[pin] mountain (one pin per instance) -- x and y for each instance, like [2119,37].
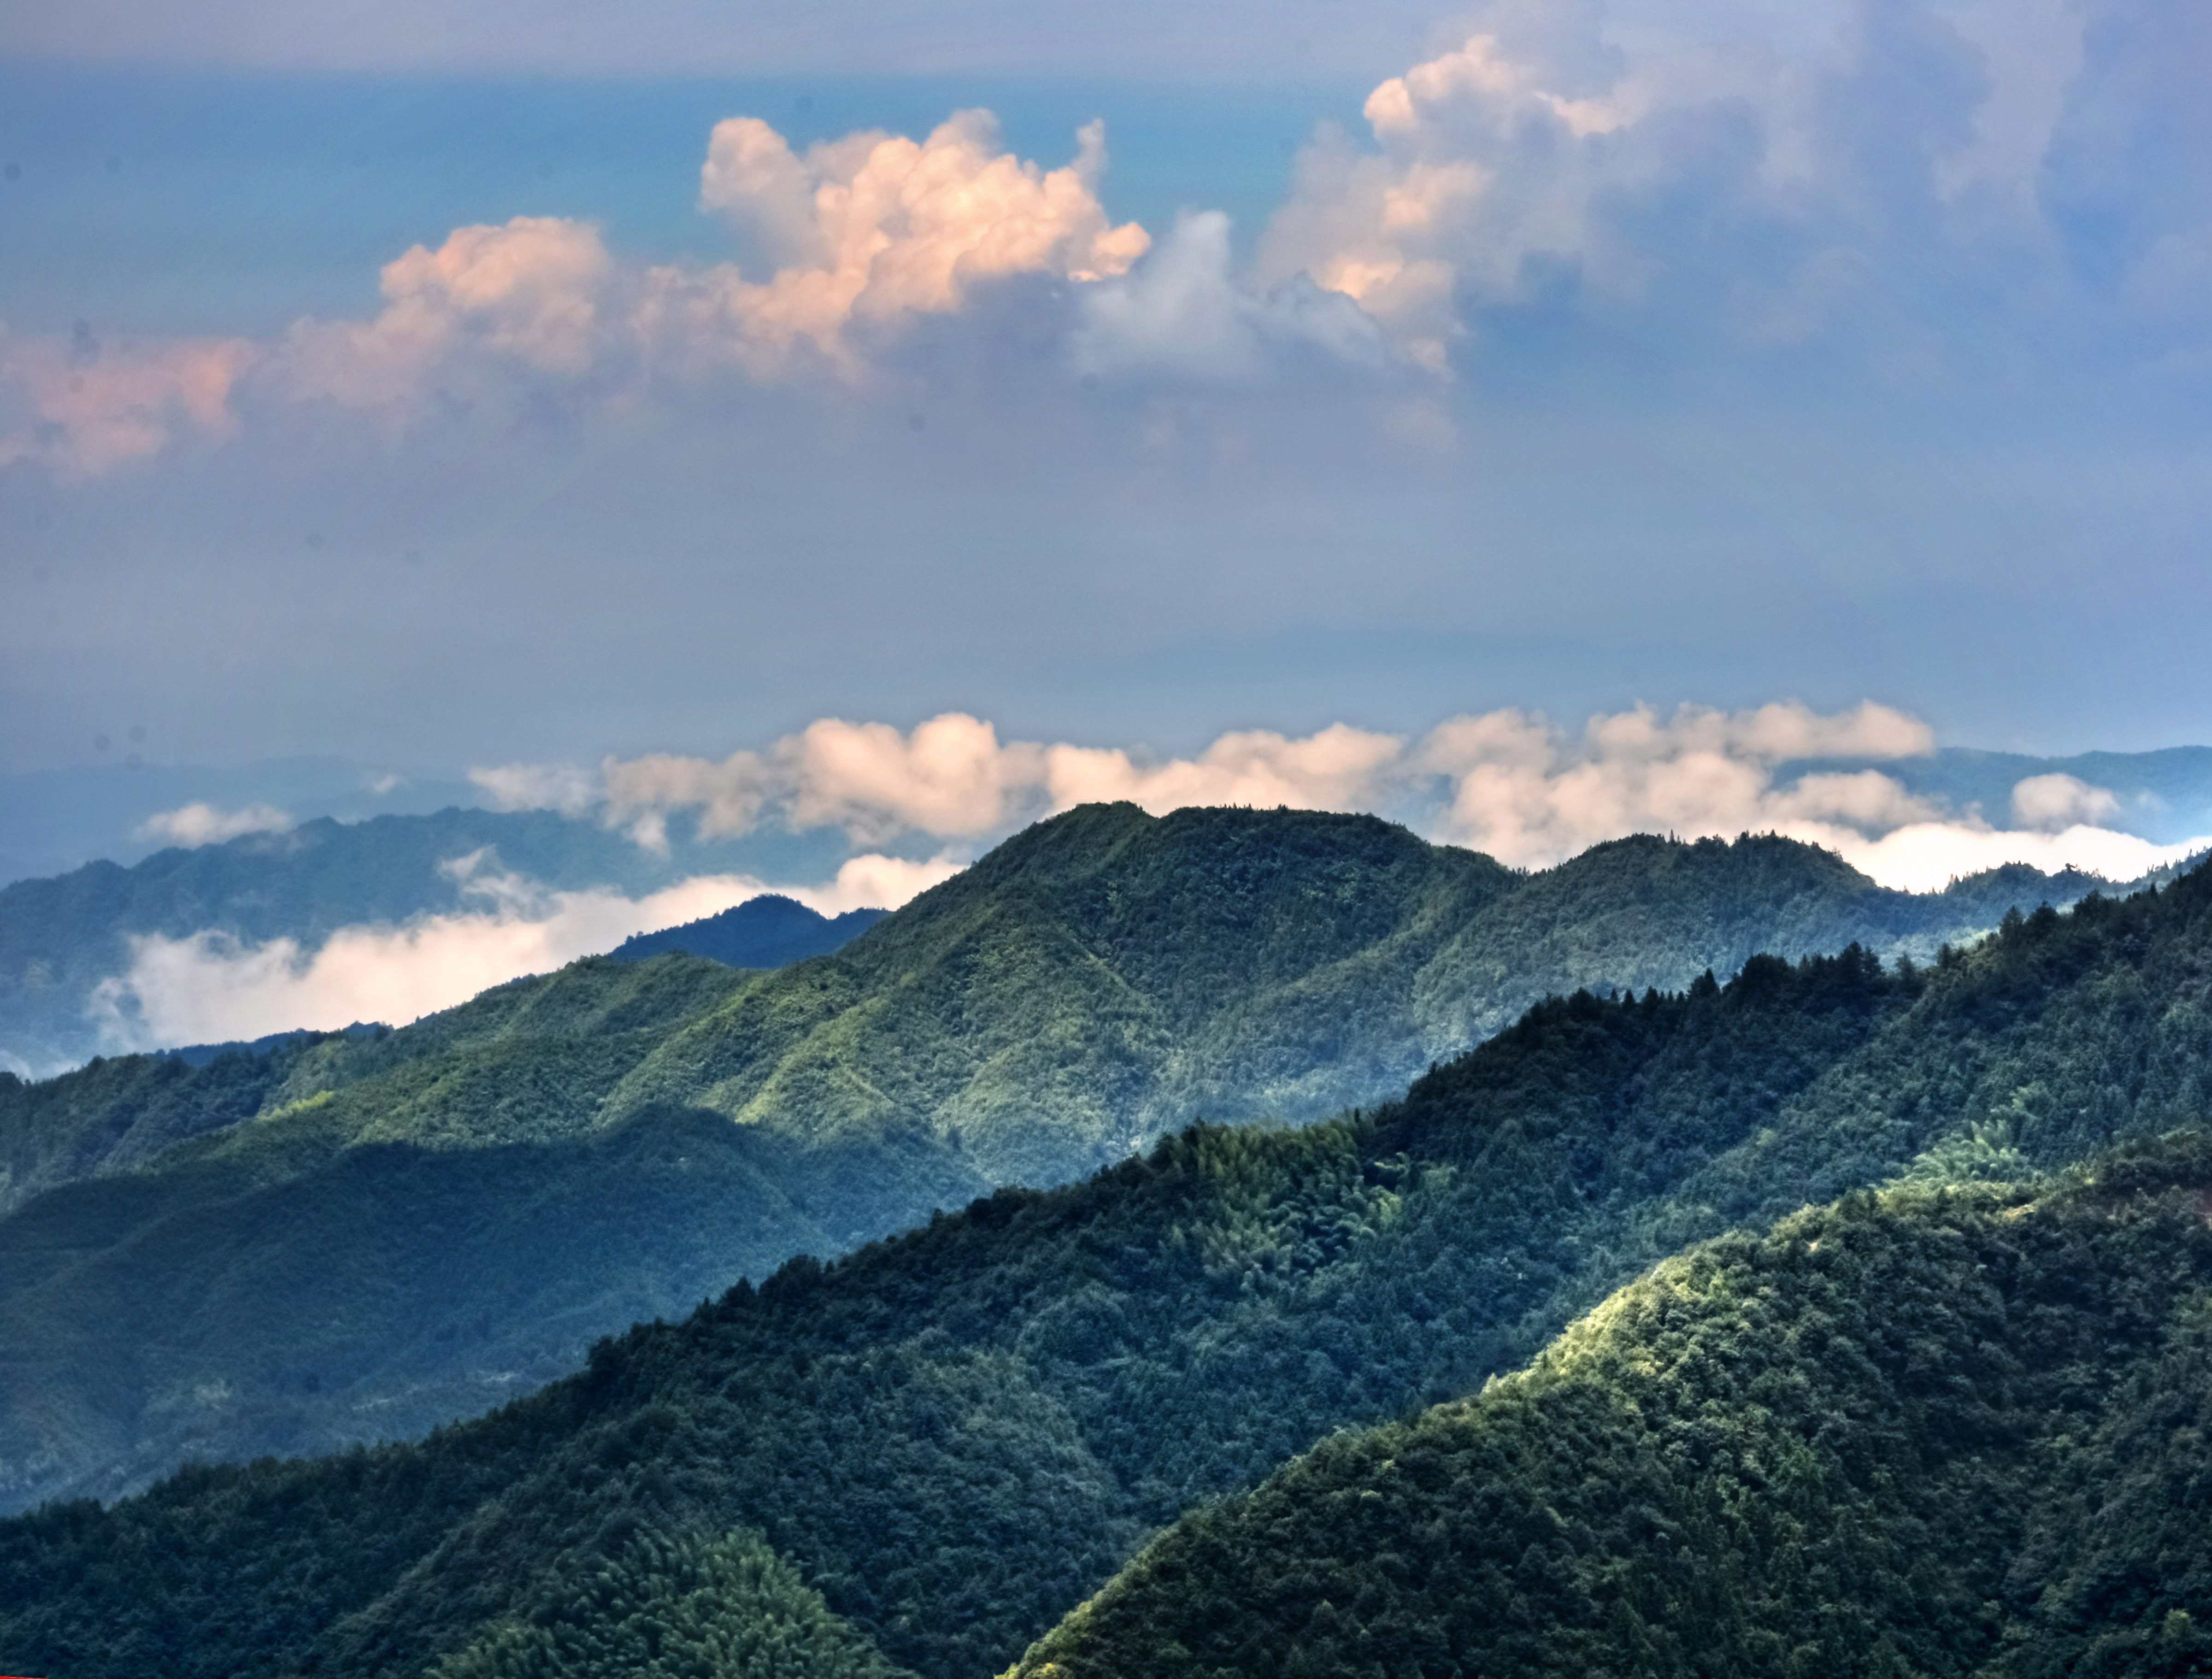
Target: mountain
[61,937]
[1934,1431]
[958,1436]
[763,932]
[53,821]
[1095,983]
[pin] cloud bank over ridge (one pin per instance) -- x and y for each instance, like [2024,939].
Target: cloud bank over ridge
[211,987]
[1508,782]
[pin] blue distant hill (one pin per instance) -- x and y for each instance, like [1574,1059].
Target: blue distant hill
[765,932]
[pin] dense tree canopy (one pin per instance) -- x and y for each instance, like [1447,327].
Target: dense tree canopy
[957,1435]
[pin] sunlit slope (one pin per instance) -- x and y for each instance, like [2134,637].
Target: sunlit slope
[958,1435]
[1099,981]
[1941,1431]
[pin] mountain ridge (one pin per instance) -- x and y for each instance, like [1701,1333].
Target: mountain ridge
[1090,986]
[959,1434]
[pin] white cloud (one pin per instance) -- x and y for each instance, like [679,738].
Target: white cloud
[565,788]
[1816,165]
[869,229]
[1510,783]
[200,825]
[1340,768]
[2051,804]
[84,408]
[527,295]
[1526,792]
[862,233]
[1529,795]
[873,881]
[949,777]
[953,777]
[1925,856]
[211,987]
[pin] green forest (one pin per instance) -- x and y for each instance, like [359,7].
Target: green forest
[1846,1315]
[358,1238]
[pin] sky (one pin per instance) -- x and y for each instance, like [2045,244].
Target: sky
[460,386]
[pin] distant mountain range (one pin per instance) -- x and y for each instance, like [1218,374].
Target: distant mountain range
[346,1239]
[1226,1406]
[61,937]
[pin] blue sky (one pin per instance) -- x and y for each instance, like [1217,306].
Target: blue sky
[1723,353]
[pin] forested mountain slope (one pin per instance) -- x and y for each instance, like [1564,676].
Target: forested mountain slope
[957,1435]
[1099,981]
[1942,1430]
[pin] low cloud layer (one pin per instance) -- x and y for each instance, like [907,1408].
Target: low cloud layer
[197,825]
[211,987]
[1509,784]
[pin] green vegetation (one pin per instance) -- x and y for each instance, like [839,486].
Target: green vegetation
[1939,1431]
[676,1609]
[414,1225]
[958,1435]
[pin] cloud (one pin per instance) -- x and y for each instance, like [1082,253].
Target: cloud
[859,236]
[1510,783]
[1529,795]
[2051,804]
[1340,768]
[864,231]
[212,988]
[526,294]
[1907,176]
[949,777]
[200,825]
[1184,312]
[83,407]
[565,788]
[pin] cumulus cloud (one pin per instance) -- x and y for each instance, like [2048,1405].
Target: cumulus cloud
[526,294]
[847,245]
[1530,793]
[1510,783]
[1526,792]
[1340,768]
[2051,804]
[212,988]
[948,776]
[1778,172]
[83,407]
[868,229]
[951,778]
[199,824]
